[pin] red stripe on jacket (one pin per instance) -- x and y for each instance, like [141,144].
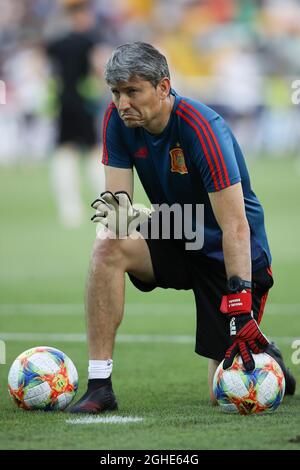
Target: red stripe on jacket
[227,180]
[105,124]
[208,140]
[193,125]
[262,306]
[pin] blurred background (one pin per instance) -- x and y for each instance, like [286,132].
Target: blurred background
[238,56]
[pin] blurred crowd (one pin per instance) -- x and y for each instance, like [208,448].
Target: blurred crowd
[238,56]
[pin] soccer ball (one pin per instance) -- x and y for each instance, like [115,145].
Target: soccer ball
[42,378]
[260,390]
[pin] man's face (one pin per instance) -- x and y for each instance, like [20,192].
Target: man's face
[138,102]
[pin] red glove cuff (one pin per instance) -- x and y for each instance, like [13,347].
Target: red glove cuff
[235,304]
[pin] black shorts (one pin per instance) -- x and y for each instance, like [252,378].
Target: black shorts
[179,269]
[77,127]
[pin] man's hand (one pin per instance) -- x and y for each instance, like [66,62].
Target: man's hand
[116,212]
[246,336]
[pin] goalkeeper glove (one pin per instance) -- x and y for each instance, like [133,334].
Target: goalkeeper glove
[116,212]
[246,336]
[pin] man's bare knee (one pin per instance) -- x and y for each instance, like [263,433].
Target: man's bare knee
[128,255]
[106,253]
[138,259]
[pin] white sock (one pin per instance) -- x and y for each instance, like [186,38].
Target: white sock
[100,369]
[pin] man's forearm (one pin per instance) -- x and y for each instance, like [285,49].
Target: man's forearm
[237,251]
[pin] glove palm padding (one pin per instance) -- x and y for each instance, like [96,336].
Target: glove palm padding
[116,212]
[245,334]
[248,338]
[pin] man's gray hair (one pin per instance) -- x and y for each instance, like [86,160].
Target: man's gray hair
[136,59]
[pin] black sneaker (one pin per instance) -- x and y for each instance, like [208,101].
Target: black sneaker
[290,381]
[96,400]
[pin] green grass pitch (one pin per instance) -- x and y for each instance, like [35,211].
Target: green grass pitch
[42,277]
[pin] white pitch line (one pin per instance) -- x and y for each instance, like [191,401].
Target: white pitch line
[104,420]
[81,338]
[158,309]
[122,338]
[41,309]
[67,337]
